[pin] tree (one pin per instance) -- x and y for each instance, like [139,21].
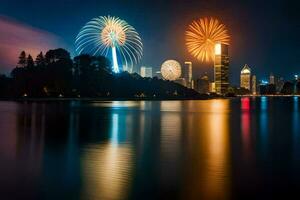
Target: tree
[103,63]
[22,59]
[30,62]
[56,55]
[298,87]
[40,60]
[58,72]
[5,86]
[288,88]
[83,65]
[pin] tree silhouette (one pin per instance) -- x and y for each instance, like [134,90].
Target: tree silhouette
[22,59]
[57,74]
[288,88]
[56,55]
[29,62]
[298,87]
[40,60]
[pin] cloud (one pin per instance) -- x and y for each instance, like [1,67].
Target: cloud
[16,37]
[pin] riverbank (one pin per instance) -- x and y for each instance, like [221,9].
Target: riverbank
[204,97]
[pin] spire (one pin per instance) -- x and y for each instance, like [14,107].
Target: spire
[246,69]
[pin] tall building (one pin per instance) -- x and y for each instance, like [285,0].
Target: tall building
[146,72]
[246,77]
[202,84]
[221,68]
[272,79]
[280,84]
[189,74]
[212,87]
[254,86]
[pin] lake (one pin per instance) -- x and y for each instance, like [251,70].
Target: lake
[242,148]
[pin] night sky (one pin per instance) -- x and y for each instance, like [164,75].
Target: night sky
[264,34]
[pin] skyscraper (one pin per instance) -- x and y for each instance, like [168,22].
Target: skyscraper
[280,84]
[189,74]
[202,84]
[221,68]
[254,85]
[146,72]
[246,77]
[272,79]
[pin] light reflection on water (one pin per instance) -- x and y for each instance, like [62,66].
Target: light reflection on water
[170,139]
[217,181]
[245,124]
[208,175]
[146,149]
[106,171]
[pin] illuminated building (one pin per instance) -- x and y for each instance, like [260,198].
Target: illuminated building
[254,85]
[221,68]
[212,87]
[279,84]
[272,79]
[202,84]
[246,77]
[189,74]
[146,72]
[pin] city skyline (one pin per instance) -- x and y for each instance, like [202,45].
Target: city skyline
[255,39]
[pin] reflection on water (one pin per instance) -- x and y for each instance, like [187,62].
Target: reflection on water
[209,173]
[245,126]
[217,171]
[296,128]
[171,129]
[107,171]
[149,149]
[107,167]
[264,124]
[296,120]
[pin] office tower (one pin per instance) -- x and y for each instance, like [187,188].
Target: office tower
[254,85]
[279,84]
[221,68]
[146,72]
[202,84]
[272,79]
[212,87]
[246,77]
[189,74]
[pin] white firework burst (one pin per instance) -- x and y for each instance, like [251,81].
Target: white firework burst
[106,34]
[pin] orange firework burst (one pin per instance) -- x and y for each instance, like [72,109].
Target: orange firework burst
[202,35]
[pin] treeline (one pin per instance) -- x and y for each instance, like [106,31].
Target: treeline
[56,74]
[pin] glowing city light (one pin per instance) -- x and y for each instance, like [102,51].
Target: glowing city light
[218,49]
[201,37]
[111,36]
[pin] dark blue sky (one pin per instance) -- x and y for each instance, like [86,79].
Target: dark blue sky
[264,34]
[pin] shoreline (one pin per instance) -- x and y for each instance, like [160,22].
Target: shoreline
[19,99]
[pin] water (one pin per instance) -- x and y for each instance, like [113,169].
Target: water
[245,148]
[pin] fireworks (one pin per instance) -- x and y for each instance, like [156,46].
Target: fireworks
[111,36]
[201,37]
[171,70]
